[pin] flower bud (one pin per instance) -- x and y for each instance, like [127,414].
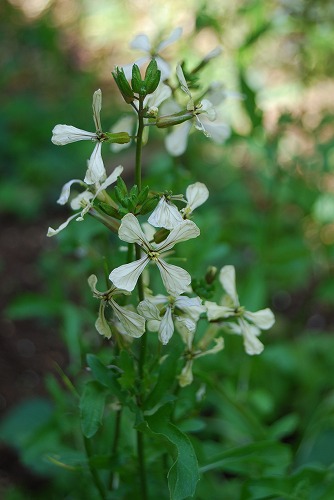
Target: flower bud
[118,137]
[175,119]
[123,85]
[152,77]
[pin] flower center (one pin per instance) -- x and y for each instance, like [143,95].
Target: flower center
[153,255]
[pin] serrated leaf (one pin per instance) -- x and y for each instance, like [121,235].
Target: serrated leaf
[92,404]
[183,475]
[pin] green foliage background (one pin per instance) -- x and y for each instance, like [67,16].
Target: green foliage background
[265,427]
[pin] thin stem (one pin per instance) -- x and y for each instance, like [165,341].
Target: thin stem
[96,478]
[140,288]
[139,145]
[115,443]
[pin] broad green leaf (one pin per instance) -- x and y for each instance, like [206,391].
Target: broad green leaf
[92,407]
[183,475]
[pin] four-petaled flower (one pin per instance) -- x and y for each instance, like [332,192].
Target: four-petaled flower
[83,202]
[64,134]
[175,279]
[132,323]
[248,324]
[163,312]
[142,42]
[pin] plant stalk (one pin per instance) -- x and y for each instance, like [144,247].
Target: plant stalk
[140,288]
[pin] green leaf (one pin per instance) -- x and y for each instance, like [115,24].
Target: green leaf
[255,114]
[128,377]
[183,475]
[92,404]
[166,379]
[256,458]
[105,376]
[307,483]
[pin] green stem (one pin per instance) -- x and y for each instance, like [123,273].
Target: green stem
[139,145]
[96,478]
[140,288]
[115,443]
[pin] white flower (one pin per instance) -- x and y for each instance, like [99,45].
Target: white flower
[83,201]
[205,118]
[248,324]
[186,375]
[142,42]
[65,134]
[175,279]
[167,215]
[132,323]
[163,312]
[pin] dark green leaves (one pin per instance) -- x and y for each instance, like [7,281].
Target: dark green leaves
[183,475]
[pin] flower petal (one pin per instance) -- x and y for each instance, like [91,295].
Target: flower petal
[53,232]
[101,323]
[166,328]
[82,200]
[186,376]
[66,190]
[133,323]
[215,311]
[110,179]
[97,105]
[96,171]
[252,344]
[165,214]
[176,142]
[126,276]
[141,42]
[173,37]
[175,279]
[183,232]
[263,319]
[131,232]
[148,310]
[64,134]
[191,306]
[227,280]
[196,195]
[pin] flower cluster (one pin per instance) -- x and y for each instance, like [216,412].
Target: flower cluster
[152,98]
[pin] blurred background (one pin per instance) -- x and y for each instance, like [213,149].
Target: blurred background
[270,211]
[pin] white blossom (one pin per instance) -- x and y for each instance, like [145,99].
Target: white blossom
[65,134]
[167,215]
[192,353]
[132,323]
[164,312]
[142,42]
[248,324]
[204,119]
[83,202]
[175,279]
